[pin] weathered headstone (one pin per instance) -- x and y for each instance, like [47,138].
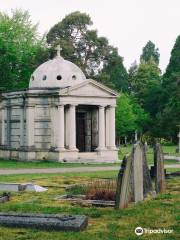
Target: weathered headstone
[147,184]
[45,221]
[123,191]
[159,169]
[137,172]
[134,181]
[178,149]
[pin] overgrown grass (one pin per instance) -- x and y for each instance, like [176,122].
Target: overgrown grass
[104,223]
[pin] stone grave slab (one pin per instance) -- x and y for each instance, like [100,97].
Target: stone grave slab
[16,187]
[45,221]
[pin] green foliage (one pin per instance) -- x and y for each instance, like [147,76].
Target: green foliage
[114,73]
[93,54]
[150,52]
[145,86]
[80,45]
[129,116]
[171,94]
[21,50]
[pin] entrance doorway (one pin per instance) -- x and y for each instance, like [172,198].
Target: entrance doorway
[86,128]
[80,128]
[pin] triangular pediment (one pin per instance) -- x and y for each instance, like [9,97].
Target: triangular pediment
[89,88]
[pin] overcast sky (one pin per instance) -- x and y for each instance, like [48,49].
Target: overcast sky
[128,24]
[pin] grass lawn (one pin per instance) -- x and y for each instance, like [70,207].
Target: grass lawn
[13,164]
[104,223]
[168,150]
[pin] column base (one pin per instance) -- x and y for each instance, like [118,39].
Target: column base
[60,149]
[112,148]
[68,154]
[98,149]
[73,149]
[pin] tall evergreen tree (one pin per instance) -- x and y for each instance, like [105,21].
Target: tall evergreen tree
[113,73]
[171,91]
[150,51]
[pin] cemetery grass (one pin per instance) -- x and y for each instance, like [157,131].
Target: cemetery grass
[168,150]
[13,164]
[104,223]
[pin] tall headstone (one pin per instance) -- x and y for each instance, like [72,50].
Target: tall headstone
[137,174]
[147,184]
[178,149]
[124,188]
[159,169]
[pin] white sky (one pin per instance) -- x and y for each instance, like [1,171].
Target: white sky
[128,24]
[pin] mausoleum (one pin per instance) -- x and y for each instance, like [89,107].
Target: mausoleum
[62,116]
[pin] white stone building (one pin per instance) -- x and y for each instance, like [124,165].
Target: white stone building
[62,116]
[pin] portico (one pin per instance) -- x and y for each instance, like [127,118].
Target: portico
[62,120]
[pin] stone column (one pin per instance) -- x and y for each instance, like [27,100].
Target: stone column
[3,131]
[72,127]
[54,126]
[101,145]
[8,126]
[107,126]
[61,127]
[22,126]
[67,128]
[112,134]
[30,126]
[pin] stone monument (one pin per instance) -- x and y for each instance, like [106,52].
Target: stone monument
[62,116]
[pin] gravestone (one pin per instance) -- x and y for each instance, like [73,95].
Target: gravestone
[178,148]
[16,187]
[134,181]
[137,172]
[159,169]
[147,184]
[124,188]
[45,221]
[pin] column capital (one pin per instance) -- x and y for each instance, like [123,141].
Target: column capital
[73,104]
[102,106]
[60,105]
[111,106]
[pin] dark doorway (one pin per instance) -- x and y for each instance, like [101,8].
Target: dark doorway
[80,128]
[86,128]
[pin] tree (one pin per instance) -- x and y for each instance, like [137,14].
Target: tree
[113,73]
[146,83]
[130,116]
[132,76]
[149,51]
[171,94]
[146,88]
[80,45]
[171,78]
[21,50]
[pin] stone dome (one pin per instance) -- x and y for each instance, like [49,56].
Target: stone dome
[56,73]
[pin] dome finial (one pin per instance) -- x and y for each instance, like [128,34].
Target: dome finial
[58,48]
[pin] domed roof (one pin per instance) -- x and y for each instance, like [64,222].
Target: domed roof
[56,73]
